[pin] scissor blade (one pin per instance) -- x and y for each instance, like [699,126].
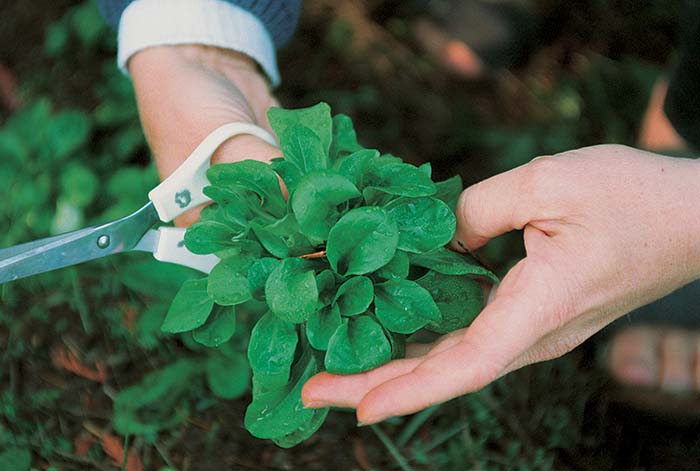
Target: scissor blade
[76,247]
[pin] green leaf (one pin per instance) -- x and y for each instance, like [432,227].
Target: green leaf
[344,137]
[288,172]
[13,151]
[66,133]
[291,290]
[156,279]
[317,118]
[244,250]
[219,327]
[271,349]
[427,170]
[16,459]
[252,175]
[403,306]
[354,166]
[449,191]
[302,147]
[235,205]
[228,281]
[362,241]
[282,238]
[356,346]
[148,331]
[190,308]
[321,325]
[425,224]
[325,281]
[55,39]
[79,185]
[258,274]
[279,412]
[395,179]
[206,237]
[68,217]
[157,402]
[304,431]
[446,261]
[354,296]
[397,268]
[459,298]
[316,202]
[398,344]
[228,377]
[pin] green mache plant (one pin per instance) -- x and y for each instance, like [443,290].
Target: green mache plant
[341,271]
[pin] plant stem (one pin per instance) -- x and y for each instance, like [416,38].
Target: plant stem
[310,256]
[125,456]
[384,438]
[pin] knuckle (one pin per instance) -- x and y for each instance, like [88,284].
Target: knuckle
[471,208]
[540,178]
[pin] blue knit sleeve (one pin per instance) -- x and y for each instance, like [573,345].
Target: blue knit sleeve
[280,17]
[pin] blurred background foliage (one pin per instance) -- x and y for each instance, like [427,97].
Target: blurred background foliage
[86,377]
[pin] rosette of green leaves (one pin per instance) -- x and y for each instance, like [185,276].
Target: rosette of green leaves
[345,268]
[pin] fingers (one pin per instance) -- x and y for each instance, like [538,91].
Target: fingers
[495,206]
[506,329]
[327,389]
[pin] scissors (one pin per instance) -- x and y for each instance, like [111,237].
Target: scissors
[175,195]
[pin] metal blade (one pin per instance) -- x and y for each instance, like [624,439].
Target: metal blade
[76,247]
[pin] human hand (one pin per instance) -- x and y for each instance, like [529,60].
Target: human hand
[606,229]
[185,92]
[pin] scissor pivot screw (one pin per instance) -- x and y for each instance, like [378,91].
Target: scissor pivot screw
[103,241]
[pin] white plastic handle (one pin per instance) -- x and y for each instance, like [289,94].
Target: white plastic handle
[182,190]
[171,248]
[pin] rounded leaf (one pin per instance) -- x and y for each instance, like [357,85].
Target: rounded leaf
[356,346]
[425,224]
[291,290]
[362,241]
[321,326]
[228,282]
[443,260]
[403,306]
[316,199]
[218,328]
[354,296]
[397,269]
[271,349]
[258,274]
[228,377]
[190,308]
[459,298]
[278,412]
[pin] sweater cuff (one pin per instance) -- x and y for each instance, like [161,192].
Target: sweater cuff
[147,23]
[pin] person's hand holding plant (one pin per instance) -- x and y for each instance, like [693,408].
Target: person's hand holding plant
[606,229]
[185,92]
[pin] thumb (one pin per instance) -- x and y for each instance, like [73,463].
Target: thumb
[498,205]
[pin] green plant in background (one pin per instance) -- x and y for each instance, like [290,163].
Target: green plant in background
[345,269]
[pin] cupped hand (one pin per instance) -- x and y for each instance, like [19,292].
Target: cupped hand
[606,229]
[186,92]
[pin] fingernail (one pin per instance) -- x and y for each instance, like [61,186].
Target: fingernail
[361,424]
[315,404]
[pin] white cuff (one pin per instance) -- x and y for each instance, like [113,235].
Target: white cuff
[147,23]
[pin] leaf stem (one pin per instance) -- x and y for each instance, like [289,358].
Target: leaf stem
[311,256]
[384,438]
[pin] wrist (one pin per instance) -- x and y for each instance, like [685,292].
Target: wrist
[225,62]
